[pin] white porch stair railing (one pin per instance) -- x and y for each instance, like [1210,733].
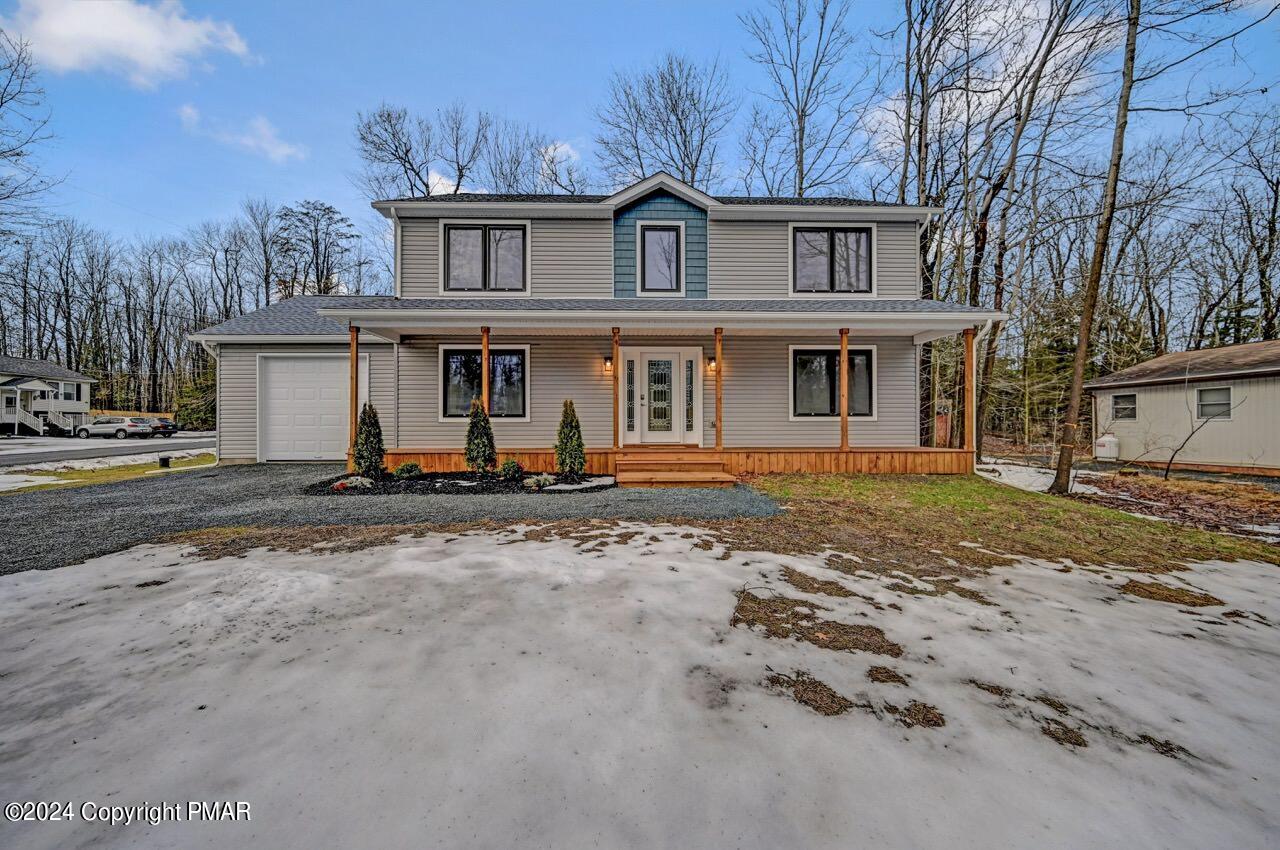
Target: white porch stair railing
[33,422]
[55,418]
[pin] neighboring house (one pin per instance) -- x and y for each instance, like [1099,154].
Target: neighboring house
[1216,409]
[713,326]
[36,395]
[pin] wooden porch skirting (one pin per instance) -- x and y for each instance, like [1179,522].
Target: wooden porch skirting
[737,461]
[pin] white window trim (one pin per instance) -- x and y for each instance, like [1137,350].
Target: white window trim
[818,225]
[1115,418]
[635,352]
[487,293]
[875,383]
[528,379]
[362,389]
[1230,404]
[678,292]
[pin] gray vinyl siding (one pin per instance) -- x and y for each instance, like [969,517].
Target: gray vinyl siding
[559,368]
[238,392]
[1166,417]
[750,259]
[757,394]
[569,258]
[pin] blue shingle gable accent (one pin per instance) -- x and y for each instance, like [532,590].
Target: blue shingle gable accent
[660,206]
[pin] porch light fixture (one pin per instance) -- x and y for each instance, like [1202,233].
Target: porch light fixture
[608,365]
[711,365]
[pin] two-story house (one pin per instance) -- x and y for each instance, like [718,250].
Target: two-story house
[736,334]
[38,396]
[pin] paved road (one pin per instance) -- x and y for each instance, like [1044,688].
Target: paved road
[52,528]
[108,448]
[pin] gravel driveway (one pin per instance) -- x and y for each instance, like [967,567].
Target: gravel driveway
[53,528]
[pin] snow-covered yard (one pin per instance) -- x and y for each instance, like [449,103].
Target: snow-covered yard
[524,689]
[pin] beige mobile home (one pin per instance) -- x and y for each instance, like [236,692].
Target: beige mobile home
[699,337]
[1217,409]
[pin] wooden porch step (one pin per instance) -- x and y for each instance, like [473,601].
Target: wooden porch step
[675,478]
[628,463]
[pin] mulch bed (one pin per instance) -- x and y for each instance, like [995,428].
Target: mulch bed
[444,484]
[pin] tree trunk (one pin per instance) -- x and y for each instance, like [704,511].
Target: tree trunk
[1070,426]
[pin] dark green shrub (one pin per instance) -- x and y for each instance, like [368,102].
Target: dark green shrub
[571,454]
[510,469]
[481,454]
[369,452]
[408,469]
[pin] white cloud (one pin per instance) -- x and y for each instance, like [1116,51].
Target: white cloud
[259,136]
[189,116]
[146,43]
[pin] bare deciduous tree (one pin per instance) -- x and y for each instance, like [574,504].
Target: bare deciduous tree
[806,135]
[671,117]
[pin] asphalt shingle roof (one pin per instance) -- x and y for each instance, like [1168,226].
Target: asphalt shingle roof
[39,369]
[738,200]
[297,316]
[1250,357]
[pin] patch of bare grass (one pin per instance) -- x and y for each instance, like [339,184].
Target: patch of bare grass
[806,583]
[1067,736]
[1217,505]
[885,676]
[811,692]
[921,714]
[973,525]
[1159,592]
[793,619]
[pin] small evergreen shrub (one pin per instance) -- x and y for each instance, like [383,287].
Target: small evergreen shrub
[510,469]
[369,452]
[571,454]
[408,469]
[481,454]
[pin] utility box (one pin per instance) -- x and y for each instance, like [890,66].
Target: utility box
[1106,447]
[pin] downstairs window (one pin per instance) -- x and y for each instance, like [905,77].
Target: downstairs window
[508,381]
[815,382]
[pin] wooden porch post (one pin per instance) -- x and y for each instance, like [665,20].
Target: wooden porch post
[719,389]
[970,404]
[617,367]
[355,395]
[844,389]
[484,368]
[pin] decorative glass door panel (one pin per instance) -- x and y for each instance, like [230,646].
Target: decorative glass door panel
[660,398]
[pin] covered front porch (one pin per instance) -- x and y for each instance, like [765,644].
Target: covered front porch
[20,403]
[665,397]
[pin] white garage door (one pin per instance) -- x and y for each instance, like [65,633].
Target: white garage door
[304,406]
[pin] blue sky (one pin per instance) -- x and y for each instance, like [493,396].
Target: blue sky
[168,115]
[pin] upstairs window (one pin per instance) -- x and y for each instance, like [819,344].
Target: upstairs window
[815,382]
[484,258]
[1124,406]
[69,392]
[660,264]
[831,259]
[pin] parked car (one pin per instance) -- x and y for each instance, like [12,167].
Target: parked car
[162,427]
[120,427]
